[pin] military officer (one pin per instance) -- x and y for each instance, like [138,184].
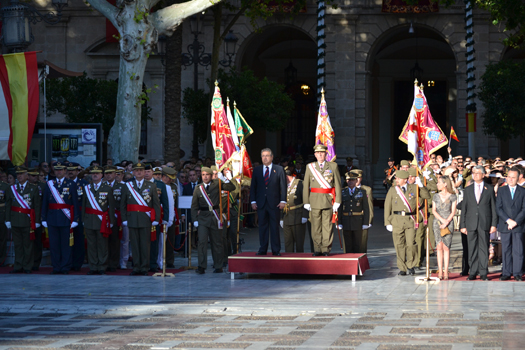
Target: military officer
[354,214]
[114,239]
[232,209]
[4,187]
[60,214]
[98,215]
[431,186]
[78,251]
[389,172]
[205,212]
[118,189]
[400,216]
[140,211]
[294,215]
[23,218]
[37,243]
[359,184]
[168,176]
[322,196]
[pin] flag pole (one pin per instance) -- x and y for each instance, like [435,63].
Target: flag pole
[450,137]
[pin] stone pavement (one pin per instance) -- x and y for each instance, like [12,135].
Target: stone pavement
[379,311]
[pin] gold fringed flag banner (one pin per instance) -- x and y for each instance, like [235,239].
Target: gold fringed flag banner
[221,134]
[324,133]
[19,100]
[241,126]
[421,133]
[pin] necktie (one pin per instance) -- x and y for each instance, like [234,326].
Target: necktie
[321,166]
[267,176]
[139,184]
[478,193]
[192,186]
[404,189]
[512,192]
[207,188]
[96,188]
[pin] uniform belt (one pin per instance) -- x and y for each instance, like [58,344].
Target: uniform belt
[353,214]
[403,213]
[208,208]
[142,209]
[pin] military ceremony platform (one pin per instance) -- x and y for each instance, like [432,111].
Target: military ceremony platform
[299,264]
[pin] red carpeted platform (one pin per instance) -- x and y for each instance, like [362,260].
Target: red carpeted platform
[299,264]
[490,276]
[83,271]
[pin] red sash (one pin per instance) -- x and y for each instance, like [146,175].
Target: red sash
[31,213]
[327,190]
[105,225]
[145,209]
[58,206]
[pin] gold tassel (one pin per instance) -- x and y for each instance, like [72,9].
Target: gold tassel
[71,238]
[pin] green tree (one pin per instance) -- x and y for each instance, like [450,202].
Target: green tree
[511,15]
[502,93]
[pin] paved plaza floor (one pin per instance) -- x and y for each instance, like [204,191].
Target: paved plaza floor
[379,311]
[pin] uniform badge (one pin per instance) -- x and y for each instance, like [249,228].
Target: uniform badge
[146,195]
[359,195]
[358,204]
[27,198]
[159,192]
[103,195]
[2,194]
[80,192]
[117,193]
[65,191]
[174,192]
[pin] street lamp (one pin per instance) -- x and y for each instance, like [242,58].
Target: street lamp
[17,19]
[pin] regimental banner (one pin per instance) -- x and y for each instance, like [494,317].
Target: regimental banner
[324,133]
[221,134]
[399,6]
[421,133]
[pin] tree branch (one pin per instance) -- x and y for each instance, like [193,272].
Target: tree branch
[169,18]
[106,9]
[239,13]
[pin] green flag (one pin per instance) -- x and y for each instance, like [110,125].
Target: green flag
[242,128]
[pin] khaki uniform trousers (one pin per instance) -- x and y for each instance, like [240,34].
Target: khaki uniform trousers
[294,238]
[404,237]
[217,250]
[97,249]
[23,248]
[140,238]
[322,229]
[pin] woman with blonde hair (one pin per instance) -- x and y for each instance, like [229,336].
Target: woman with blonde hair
[443,209]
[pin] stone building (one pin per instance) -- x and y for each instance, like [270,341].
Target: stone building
[370,60]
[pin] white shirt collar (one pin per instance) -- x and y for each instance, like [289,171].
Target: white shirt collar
[75,179]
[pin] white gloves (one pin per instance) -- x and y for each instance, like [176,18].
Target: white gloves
[37,225]
[228,174]
[222,178]
[164,222]
[389,228]
[307,207]
[426,174]
[304,220]
[44,223]
[74,224]
[339,227]
[155,223]
[418,182]
[281,223]
[366,227]
[8,224]
[111,225]
[124,223]
[196,224]
[228,224]
[336,206]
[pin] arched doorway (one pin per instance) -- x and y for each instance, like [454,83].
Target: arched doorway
[395,60]
[287,55]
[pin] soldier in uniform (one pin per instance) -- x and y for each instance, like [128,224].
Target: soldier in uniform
[230,232]
[37,243]
[294,215]
[97,203]
[168,176]
[354,214]
[400,216]
[322,196]
[140,211]
[421,240]
[205,212]
[60,214]
[4,187]
[118,189]
[368,190]
[78,251]
[23,218]
[114,239]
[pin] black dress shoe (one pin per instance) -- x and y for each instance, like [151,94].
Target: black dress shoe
[153,270]
[504,278]
[16,271]
[92,272]
[421,268]
[317,254]
[464,274]
[218,271]
[35,268]
[102,272]
[200,271]
[112,269]
[471,277]
[170,266]
[134,273]
[260,253]
[54,273]
[484,278]
[75,269]
[276,254]
[411,272]
[518,278]
[65,272]
[27,271]
[144,273]
[402,273]
[326,254]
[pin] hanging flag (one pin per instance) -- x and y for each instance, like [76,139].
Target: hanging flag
[231,124]
[19,103]
[247,168]
[324,134]
[221,134]
[421,133]
[242,128]
[453,134]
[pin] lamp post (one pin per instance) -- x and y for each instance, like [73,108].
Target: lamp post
[17,19]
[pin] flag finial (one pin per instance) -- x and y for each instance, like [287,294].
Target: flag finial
[415,82]
[216,83]
[421,87]
[227,100]
[322,93]
[234,104]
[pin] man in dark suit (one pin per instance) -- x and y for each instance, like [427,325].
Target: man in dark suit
[187,190]
[510,205]
[268,197]
[478,219]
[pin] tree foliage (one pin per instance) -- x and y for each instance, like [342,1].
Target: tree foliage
[510,14]
[502,93]
[262,102]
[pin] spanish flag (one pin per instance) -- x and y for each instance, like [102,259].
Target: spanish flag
[19,102]
[453,134]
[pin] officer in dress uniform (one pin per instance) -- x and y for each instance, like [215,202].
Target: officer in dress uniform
[431,186]
[135,217]
[4,187]
[205,212]
[168,177]
[99,202]
[354,214]
[23,217]
[37,243]
[368,190]
[294,215]
[114,239]
[400,215]
[320,201]
[78,252]
[118,189]
[60,197]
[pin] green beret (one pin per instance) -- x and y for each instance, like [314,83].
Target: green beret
[405,163]
[412,172]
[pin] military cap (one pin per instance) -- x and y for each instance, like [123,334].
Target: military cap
[169,172]
[205,169]
[110,169]
[139,165]
[349,159]
[405,163]
[119,170]
[157,170]
[351,175]
[148,166]
[20,169]
[95,169]
[412,172]
[213,168]
[73,166]
[33,171]
[358,172]
[290,170]
[320,148]
[390,159]
[59,166]
[402,174]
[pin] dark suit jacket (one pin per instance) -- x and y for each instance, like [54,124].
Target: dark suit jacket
[187,190]
[69,194]
[509,208]
[482,215]
[272,194]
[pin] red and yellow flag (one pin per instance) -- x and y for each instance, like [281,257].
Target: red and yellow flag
[221,133]
[19,100]
[453,134]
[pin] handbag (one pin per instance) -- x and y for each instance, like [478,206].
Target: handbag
[445,231]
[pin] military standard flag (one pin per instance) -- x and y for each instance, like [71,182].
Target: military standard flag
[421,133]
[324,133]
[241,126]
[19,100]
[221,134]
